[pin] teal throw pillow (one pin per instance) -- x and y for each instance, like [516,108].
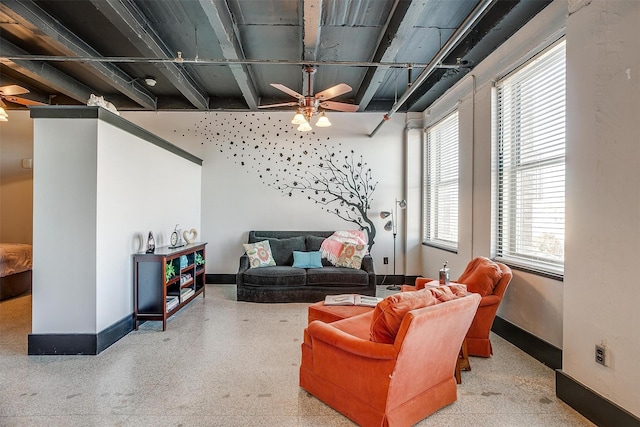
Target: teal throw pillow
[307,259]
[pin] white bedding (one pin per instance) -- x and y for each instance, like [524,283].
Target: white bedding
[14,258]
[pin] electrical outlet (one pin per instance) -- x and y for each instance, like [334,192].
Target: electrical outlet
[385,260]
[601,355]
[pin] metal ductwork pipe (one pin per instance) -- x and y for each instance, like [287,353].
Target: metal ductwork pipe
[450,44]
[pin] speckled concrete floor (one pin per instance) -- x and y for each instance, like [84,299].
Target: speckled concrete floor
[227,363]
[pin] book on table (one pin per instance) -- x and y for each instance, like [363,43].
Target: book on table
[352,299]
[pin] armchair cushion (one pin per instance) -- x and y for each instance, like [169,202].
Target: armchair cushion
[388,313]
[481,276]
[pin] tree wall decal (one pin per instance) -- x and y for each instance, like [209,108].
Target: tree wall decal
[344,187]
[291,162]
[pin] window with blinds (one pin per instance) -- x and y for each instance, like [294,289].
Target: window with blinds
[441,184]
[531,164]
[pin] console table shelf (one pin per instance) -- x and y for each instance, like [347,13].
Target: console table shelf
[158,293]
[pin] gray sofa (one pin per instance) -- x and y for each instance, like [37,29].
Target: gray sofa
[284,283]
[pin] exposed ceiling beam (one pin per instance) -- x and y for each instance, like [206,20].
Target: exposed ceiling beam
[393,40]
[499,23]
[131,22]
[31,16]
[219,16]
[42,72]
[311,21]
[469,22]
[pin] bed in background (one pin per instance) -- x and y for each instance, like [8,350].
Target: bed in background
[15,269]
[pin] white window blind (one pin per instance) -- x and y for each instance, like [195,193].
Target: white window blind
[441,183]
[531,164]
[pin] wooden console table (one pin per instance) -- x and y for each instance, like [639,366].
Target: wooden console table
[166,280]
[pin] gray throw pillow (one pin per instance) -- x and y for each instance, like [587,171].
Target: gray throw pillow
[282,249]
[314,242]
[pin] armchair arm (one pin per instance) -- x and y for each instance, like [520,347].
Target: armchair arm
[351,344]
[489,300]
[422,281]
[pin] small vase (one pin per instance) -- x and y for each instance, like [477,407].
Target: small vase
[151,244]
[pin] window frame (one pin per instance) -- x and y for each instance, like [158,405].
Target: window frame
[530,261]
[433,184]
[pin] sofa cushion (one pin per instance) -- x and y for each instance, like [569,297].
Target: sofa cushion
[282,249]
[259,254]
[314,242]
[307,259]
[481,276]
[336,276]
[276,276]
[351,255]
[388,314]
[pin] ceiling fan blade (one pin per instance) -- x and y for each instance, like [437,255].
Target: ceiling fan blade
[334,91]
[21,101]
[339,106]
[13,90]
[283,104]
[287,90]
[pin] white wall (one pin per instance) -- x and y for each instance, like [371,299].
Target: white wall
[237,198]
[140,188]
[597,302]
[97,191]
[533,303]
[16,195]
[601,292]
[64,231]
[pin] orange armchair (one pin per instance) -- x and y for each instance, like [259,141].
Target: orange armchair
[480,276]
[380,384]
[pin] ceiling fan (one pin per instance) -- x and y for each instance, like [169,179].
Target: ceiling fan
[8,93]
[309,104]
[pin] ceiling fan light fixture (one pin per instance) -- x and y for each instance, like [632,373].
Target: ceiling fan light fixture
[298,119]
[4,117]
[304,127]
[323,121]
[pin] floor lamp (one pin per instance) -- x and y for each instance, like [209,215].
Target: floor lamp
[392,225]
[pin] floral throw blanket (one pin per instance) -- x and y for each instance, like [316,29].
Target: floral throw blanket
[332,245]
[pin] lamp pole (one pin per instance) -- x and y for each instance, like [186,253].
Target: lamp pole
[394,219]
[393,226]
